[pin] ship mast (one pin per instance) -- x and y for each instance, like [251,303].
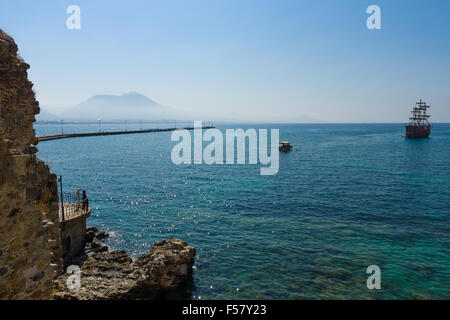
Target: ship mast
[419,114]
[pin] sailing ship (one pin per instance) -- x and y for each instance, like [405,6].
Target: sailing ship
[419,127]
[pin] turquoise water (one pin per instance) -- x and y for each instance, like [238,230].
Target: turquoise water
[348,196]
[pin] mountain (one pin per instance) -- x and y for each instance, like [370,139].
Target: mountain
[129,106]
[131,99]
[47,116]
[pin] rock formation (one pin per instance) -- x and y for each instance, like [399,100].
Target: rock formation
[30,248]
[114,275]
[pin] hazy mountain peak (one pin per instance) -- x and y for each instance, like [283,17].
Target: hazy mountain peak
[127,99]
[132,93]
[130,105]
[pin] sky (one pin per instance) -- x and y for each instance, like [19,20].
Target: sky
[242,60]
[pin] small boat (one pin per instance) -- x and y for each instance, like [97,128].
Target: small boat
[285,146]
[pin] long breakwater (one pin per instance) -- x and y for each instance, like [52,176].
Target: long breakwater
[110,133]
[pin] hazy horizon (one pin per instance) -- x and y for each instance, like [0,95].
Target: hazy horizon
[242,61]
[60,114]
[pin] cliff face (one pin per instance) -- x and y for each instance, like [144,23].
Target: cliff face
[114,275]
[29,229]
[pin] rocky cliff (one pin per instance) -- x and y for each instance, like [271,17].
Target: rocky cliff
[29,230]
[115,275]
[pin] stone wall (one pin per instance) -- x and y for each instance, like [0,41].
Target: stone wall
[30,248]
[73,238]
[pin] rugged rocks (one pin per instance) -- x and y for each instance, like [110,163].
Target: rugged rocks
[102,235]
[94,241]
[29,228]
[115,275]
[90,236]
[98,246]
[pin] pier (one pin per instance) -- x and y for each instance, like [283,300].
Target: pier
[110,133]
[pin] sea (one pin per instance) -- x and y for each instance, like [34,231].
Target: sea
[348,196]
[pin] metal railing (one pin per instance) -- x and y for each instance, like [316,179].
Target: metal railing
[72,204]
[123,125]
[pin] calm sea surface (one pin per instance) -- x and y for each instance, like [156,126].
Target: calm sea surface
[348,196]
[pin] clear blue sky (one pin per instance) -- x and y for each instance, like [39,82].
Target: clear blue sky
[242,59]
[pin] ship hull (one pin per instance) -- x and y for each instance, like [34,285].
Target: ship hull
[417,132]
